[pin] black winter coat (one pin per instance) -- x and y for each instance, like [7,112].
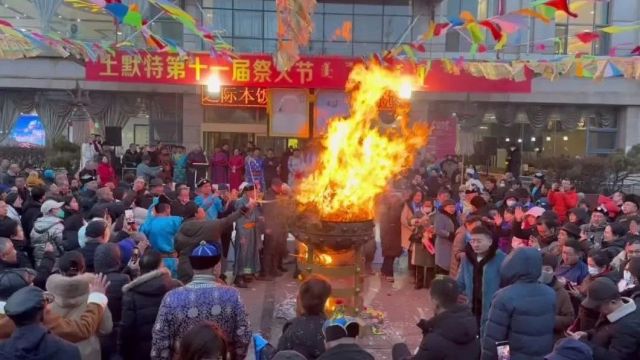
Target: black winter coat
[72,225]
[140,304]
[389,215]
[450,335]
[89,252]
[618,339]
[523,313]
[304,335]
[30,212]
[35,342]
[346,352]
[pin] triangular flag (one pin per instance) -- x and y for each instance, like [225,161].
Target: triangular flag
[495,31]
[477,36]
[561,5]
[616,29]
[534,14]
[587,37]
[503,41]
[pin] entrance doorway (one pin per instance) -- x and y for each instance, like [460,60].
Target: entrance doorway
[212,139]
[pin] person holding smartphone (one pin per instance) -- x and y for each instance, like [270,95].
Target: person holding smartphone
[523,312]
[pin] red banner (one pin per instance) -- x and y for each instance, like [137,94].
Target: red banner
[258,70]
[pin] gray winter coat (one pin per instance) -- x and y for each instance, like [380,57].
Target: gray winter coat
[445,231]
[47,229]
[522,313]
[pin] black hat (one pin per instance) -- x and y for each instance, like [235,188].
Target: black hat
[510,195]
[549,259]
[600,291]
[632,198]
[95,228]
[72,263]
[205,256]
[87,178]
[13,280]
[25,300]
[156,182]
[203,182]
[601,209]
[572,230]
[190,210]
[11,197]
[339,328]
[539,176]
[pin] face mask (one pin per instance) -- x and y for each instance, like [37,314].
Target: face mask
[594,270]
[511,203]
[427,210]
[628,277]
[60,214]
[546,277]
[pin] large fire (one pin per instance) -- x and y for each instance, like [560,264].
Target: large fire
[359,158]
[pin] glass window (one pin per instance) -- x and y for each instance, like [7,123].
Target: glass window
[247,45]
[269,5]
[338,48]
[367,7]
[363,49]
[367,28]
[591,17]
[318,27]
[602,141]
[270,46]
[332,23]
[397,7]
[223,20]
[248,4]
[394,27]
[247,23]
[270,25]
[227,4]
[334,8]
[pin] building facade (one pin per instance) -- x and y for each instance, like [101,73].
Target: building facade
[569,116]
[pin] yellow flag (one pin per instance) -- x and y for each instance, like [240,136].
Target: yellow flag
[616,29]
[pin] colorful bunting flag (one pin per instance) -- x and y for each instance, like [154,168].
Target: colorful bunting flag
[561,5]
[587,37]
[616,29]
[534,14]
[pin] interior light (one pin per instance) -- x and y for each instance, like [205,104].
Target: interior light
[533,138]
[214,84]
[507,139]
[548,138]
[565,138]
[519,140]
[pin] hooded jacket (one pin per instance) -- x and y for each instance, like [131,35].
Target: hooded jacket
[450,335]
[191,233]
[47,229]
[71,294]
[523,312]
[34,342]
[140,304]
[617,335]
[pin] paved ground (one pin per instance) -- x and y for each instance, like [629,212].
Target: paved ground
[401,304]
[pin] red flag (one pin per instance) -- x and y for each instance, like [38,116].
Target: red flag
[587,36]
[440,27]
[561,5]
[635,51]
[494,28]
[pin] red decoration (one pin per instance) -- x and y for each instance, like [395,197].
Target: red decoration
[635,51]
[258,70]
[561,5]
[494,28]
[587,37]
[439,28]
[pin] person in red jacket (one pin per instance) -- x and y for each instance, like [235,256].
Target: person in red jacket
[106,173]
[563,197]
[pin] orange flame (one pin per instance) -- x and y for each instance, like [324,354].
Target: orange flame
[359,158]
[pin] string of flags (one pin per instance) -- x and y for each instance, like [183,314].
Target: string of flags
[295,27]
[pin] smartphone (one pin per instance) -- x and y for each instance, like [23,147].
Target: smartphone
[128,216]
[135,256]
[504,353]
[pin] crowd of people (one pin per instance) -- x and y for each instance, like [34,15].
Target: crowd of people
[534,265]
[98,265]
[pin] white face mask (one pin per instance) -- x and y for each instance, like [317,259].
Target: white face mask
[594,270]
[511,203]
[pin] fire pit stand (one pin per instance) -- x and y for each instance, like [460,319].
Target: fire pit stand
[334,250]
